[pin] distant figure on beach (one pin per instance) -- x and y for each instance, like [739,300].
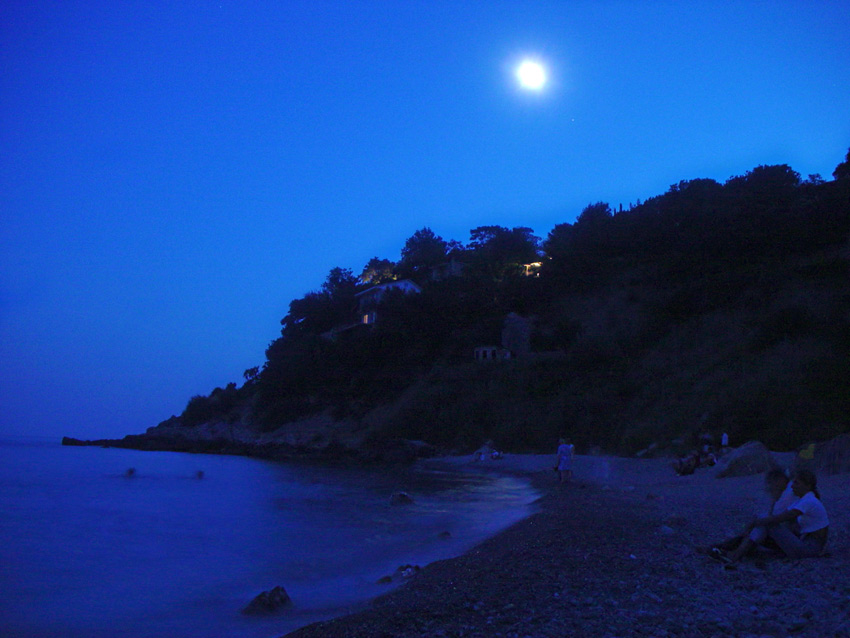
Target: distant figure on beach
[564,462]
[778,487]
[686,465]
[487,451]
[724,440]
[801,531]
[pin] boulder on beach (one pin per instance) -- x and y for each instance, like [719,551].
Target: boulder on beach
[403,572]
[833,457]
[750,458]
[268,602]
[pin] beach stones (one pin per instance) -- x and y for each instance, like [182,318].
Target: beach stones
[750,458]
[268,602]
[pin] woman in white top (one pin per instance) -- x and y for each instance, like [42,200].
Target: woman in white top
[779,488]
[810,536]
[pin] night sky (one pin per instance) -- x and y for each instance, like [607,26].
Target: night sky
[173,174]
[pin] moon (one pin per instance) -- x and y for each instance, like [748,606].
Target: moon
[531,75]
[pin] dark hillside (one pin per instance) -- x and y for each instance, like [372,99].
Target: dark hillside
[712,307]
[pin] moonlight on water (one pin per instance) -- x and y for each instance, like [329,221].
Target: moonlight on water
[531,75]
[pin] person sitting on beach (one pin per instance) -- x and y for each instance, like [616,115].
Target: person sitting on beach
[484,452]
[564,460]
[686,464]
[778,486]
[801,531]
[705,457]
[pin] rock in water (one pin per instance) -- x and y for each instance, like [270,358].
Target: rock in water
[750,458]
[401,498]
[269,602]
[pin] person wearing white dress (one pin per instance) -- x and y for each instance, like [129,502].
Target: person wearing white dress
[564,460]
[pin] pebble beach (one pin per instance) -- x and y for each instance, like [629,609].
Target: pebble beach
[614,553]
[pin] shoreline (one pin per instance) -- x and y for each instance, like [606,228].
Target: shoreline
[612,553]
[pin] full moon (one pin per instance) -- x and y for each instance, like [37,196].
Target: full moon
[531,75]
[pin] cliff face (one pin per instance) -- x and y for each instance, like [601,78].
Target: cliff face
[313,433]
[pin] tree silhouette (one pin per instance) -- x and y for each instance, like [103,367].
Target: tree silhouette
[422,251]
[842,171]
[318,312]
[594,214]
[498,252]
[377,271]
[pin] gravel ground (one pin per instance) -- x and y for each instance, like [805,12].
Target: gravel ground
[612,554]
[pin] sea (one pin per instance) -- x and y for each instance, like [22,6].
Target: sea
[99,542]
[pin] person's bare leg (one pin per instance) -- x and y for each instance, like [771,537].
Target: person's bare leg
[746,545]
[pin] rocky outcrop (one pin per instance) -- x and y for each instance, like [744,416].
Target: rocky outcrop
[750,458]
[401,498]
[217,438]
[268,602]
[401,451]
[319,437]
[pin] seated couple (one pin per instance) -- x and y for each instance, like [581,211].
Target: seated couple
[796,525]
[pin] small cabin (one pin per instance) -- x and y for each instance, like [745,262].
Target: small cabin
[491,353]
[368,300]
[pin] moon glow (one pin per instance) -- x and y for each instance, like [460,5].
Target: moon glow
[531,75]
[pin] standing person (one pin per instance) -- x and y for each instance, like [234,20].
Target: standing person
[564,460]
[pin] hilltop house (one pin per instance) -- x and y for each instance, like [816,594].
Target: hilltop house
[368,300]
[491,353]
[532,269]
[516,341]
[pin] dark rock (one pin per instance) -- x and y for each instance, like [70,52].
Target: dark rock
[833,457]
[750,458]
[397,451]
[268,602]
[648,452]
[403,572]
[401,498]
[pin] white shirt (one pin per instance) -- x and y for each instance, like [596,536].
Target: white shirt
[812,513]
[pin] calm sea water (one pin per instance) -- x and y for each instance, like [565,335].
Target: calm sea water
[87,551]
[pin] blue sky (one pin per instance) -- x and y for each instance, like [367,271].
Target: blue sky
[172,174]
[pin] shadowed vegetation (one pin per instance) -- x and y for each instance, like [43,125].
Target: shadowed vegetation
[720,307]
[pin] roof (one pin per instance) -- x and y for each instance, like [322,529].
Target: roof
[405,284]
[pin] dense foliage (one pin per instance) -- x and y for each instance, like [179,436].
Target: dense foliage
[720,307]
